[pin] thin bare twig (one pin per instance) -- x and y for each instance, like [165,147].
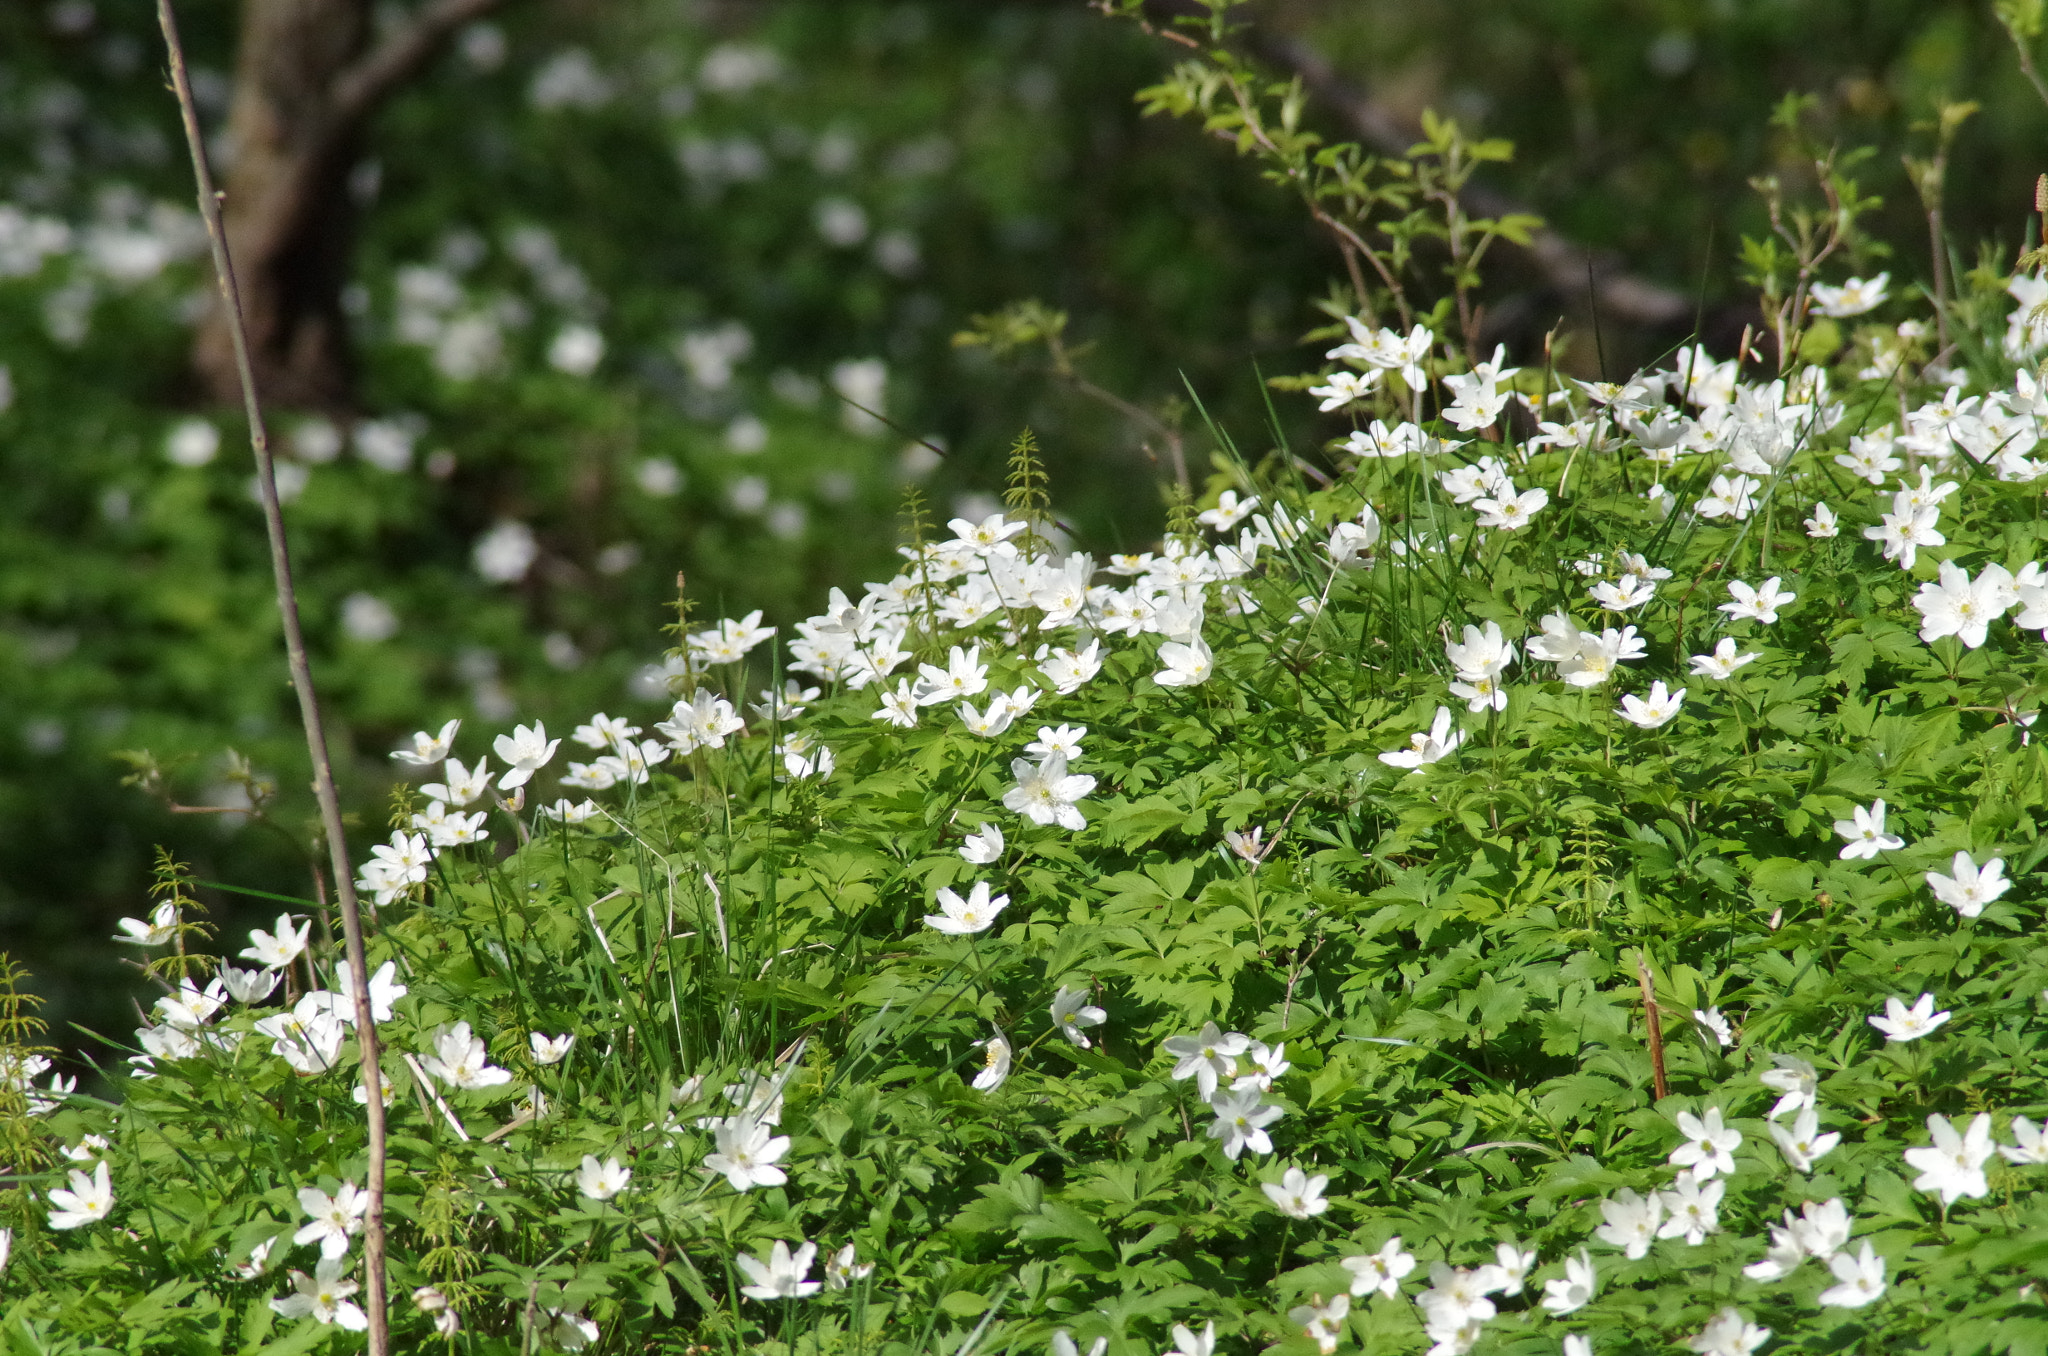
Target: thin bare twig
[400,56]
[376,1301]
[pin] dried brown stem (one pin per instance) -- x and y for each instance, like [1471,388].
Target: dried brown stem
[1655,1025]
[374,1288]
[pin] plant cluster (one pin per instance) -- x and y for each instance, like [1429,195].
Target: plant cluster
[1564,877]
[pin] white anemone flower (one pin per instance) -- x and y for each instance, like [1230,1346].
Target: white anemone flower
[1298,1195]
[958,917]
[781,1274]
[1901,1023]
[324,1297]
[1970,887]
[1046,793]
[1865,833]
[1427,746]
[600,1181]
[1655,711]
[87,1201]
[1071,1012]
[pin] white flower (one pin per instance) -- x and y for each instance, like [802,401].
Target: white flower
[1457,1295]
[1728,1333]
[249,986]
[1901,1023]
[1511,513]
[1972,886]
[1903,532]
[462,786]
[1860,1280]
[1241,1123]
[964,676]
[1046,793]
[1954,605]
[1322,1322]
[1711,1020]
[1823,524]
[1632,1221]
[995,1063]
[1268,1063]
[324,1296]
[1512,1266]
[259,1257]
[1723,662]
[957,917]
[384,991]
[984,847]
[1066,741]
[1297,1194]
[1070,1013]
[601,1181]
[1695,1209]
[1954,1164]
[1852,298]
[1624,594]
[746,1153]
[427,749]
[1654,712]
[1709,1146]
[1250,845]
[1575,1289]
[779,1275]
[459,1060]
[1592,658]
[1795,1078]
[549,1049]
[1345,388]
[1207,1056]
[88,1200]
[1865,833]
[1229,511]
[843,1268]
[1577,1344]
[1760,603]
[2031,1143]
[1069,670]
[569,1331]
[335,1219]
[1186,1342]
[1484,652]
[703,722]
[1186,664]
[528,749]
[1428,746]
[1380,1271]
[1803,1144]
[162,924]
[1729,497]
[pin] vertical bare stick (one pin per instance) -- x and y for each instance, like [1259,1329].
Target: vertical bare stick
[302,683]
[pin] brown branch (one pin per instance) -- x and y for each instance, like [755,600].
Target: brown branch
[359,89]
[376,1303]
[1564,263]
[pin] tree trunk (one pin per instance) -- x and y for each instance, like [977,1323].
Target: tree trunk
[307,80]
[288,212]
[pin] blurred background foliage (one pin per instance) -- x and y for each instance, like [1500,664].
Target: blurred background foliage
[620,267]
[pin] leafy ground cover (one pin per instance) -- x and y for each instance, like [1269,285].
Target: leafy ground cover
[1565,886]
